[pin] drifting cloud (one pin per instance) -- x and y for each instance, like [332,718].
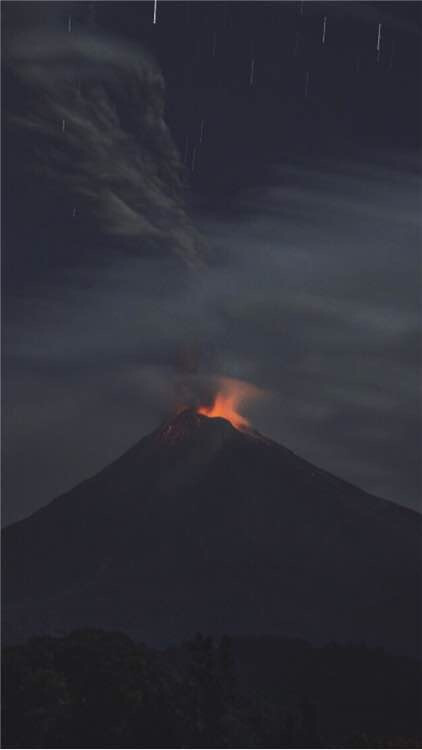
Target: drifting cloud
[313,295]
[95,109]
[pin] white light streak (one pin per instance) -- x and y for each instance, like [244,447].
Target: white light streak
[63,125]
[324,30]
[252,73]
[155,12]
[201,135]
[379,37]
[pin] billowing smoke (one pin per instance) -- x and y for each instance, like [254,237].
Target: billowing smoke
[95,109]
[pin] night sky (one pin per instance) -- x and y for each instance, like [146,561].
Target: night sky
[229,192]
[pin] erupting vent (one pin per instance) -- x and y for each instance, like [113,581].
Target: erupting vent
[228,399]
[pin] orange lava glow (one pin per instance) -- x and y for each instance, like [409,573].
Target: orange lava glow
[230,395]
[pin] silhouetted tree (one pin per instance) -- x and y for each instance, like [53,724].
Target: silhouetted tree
[96,689]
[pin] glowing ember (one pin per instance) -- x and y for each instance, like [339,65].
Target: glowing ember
[229,397]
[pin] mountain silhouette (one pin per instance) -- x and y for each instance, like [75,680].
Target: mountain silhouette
[204,527]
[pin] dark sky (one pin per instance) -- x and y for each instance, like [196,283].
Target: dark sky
[216,194]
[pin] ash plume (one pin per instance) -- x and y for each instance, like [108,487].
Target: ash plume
[95,110]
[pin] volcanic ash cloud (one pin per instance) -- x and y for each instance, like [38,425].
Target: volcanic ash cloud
[96,113]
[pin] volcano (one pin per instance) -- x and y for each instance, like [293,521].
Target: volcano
[204,527]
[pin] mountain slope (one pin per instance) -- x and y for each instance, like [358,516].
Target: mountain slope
[204,527]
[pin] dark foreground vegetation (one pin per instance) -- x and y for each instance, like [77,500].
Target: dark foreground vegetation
[100,689]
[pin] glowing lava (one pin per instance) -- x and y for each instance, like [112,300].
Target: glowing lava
[230,395]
